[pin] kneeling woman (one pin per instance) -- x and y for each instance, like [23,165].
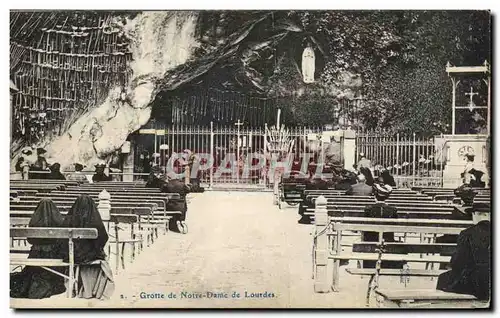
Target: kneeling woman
[36,282]
[95,279]
[177,185]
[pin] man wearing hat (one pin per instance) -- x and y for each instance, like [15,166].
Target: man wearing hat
[99,173]
[380,210]
[40,164]
[78,175]
[470,265]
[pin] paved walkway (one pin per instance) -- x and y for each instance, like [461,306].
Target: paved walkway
[238,242]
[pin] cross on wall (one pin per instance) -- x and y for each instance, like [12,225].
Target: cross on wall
[471,96]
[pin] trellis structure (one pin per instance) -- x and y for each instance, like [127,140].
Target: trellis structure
[63,64]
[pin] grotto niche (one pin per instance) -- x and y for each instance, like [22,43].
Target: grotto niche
[87,80]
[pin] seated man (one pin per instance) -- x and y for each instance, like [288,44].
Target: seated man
[470,265]
[380,210]
[360,188]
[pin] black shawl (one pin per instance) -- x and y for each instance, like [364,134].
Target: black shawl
[84,214]
[46,215]
[36,282]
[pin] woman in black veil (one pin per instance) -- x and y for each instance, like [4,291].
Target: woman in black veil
[36,282]
[368,176]
[96,278]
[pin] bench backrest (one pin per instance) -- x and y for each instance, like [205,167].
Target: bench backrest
[70,201]
[396,228]
[114,210]
[405,248]
[53,233]
[410,223]
[123,218]
[401,214]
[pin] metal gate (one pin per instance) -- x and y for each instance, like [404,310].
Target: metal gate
[229,148]
[412,160]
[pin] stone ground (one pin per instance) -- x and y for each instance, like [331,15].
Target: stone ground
[237,242]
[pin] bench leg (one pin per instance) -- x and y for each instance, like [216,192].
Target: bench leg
[369,291]
[132,256]
[336,270]
[122,255]
[77,276]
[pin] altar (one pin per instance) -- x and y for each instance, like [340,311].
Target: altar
[456,149]
[458,145]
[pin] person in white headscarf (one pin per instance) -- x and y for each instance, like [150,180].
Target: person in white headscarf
[363,162]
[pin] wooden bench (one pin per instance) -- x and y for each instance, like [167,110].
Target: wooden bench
[21,193]
[44,182]
[148,223]
[390,254]
[127,219]
[330,230]
[38,188]
[157,204]
[115,220]
[410,214]
[290,193]
[373,248]
[451,198]
[118,194]
[69,234]
[346,197]
[114,189]
[405,210]
[425,298]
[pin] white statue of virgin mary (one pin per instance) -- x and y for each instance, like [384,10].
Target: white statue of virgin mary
[308,61]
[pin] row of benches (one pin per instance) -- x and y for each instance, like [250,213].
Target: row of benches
[335,220]
[419,213]
[136,213]
[294,193]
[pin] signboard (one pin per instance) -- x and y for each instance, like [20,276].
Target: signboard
[150,131]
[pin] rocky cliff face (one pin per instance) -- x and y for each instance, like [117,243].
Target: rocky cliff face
[160,41]
[179,50]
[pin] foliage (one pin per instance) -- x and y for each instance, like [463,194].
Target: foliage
[401,57]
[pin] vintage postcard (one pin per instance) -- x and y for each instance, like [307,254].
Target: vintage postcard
[250,159]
